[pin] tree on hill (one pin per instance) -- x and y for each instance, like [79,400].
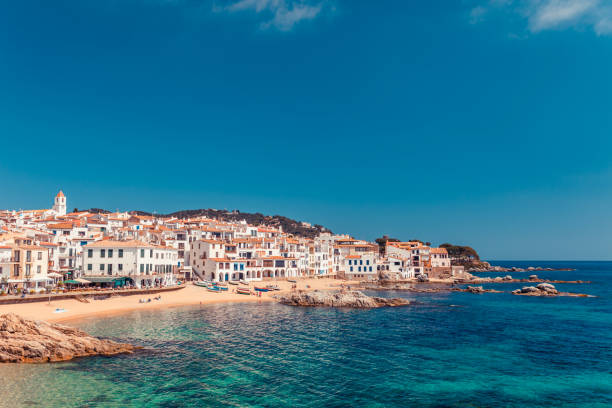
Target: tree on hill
[461,252]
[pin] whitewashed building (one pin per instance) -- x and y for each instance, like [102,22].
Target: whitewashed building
[141,264]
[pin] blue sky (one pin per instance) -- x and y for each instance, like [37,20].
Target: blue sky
[485,123]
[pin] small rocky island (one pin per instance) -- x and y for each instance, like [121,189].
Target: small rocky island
[29,341]
[352,298]
[545,289]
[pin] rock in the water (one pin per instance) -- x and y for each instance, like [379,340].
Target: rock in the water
[29,341]
[529,289]
[533,277]
[547,287]
[508,278]
[475,289]
[352,298]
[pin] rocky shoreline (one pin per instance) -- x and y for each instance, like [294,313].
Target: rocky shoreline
[544,288]
[339,298]
[30,341]
[510,279]
[482,266]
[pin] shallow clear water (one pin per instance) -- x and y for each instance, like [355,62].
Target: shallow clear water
[450,349]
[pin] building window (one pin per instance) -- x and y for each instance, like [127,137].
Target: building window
[121,253]
[142,253]
[89,266]
[37,268]
[110,253]
[28,269]
[351,269]
[102,253]
[151,253]
[141,268]
[28,256]
[40,256]
[90,253]
[120,266]
[370,269]
[101,267]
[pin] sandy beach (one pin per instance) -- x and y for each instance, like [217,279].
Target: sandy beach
[189,295]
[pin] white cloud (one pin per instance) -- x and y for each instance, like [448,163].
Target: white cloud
[477,14]
[543,15]
[280,14]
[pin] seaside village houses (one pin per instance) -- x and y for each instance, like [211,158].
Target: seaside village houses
[42,249]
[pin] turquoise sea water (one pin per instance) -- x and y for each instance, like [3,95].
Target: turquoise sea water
[448,350]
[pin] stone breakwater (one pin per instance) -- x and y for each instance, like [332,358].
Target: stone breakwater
[353,298]
[29,341]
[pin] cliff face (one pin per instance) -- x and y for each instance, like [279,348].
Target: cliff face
[353,299]
[29,341]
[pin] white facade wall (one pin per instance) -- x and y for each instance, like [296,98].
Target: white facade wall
[145,265]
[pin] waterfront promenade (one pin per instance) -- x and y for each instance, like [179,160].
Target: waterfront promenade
[189,294]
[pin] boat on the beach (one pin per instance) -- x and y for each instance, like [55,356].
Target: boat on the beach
[273,287]
[243,291]
[242,281]
[232,282]
[292,280]
[202,284]
[212,288]
[258,289]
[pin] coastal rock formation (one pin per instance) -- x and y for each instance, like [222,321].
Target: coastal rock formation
[547,287]
[481,266]
[543,289]
[476,289]
[29,341]
[509,279]
[352,298]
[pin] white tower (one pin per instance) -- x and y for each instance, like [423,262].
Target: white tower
[60,204]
